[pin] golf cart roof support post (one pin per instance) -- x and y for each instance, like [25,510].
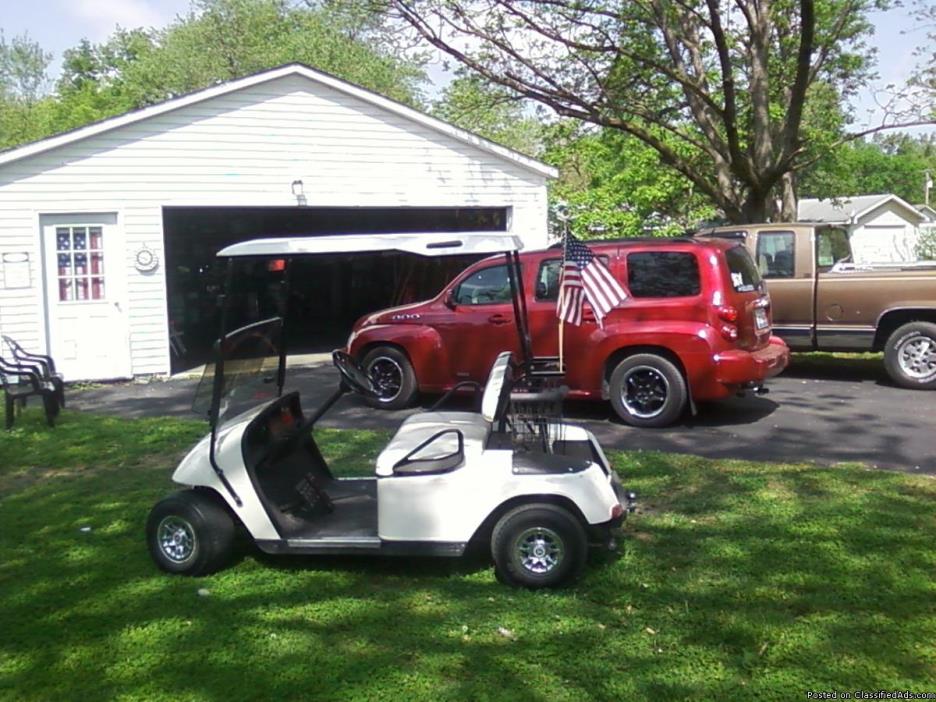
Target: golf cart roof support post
[218,385]
[515,276]
[281,368]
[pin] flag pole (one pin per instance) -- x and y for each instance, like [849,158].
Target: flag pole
[565,242]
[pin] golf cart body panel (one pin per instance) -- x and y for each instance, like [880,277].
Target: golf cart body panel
[443,479]
[195,470]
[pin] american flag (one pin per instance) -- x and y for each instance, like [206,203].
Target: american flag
[584,276]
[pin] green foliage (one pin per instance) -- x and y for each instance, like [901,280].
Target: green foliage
[23,66]
[926,245]
[490,111]
[617,186]
[735,580]
[895,163]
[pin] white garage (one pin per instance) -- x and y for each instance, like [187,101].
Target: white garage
[107,232]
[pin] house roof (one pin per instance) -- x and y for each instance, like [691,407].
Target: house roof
[928,211]
[293,69]
[849,208]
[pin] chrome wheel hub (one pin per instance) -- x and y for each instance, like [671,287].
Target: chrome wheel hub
[539,550]
[176,539]
[917,358]
[644,391]
[387,377]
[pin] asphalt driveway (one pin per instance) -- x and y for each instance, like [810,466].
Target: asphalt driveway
[826,416]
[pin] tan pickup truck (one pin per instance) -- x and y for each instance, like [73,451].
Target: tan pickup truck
[823,302]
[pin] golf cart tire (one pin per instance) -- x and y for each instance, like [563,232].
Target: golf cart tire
[199,518]
[393,356]
[521,530]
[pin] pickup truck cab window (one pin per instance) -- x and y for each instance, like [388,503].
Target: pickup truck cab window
[776,254]
[832,248]
[484,287]
[663,274]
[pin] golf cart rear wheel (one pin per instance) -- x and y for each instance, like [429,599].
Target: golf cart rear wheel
[190,533]
[539,545]
[393,377]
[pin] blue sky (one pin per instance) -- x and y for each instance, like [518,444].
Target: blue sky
[60,24]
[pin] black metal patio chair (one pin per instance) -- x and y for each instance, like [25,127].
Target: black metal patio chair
[21,382]
[43,365]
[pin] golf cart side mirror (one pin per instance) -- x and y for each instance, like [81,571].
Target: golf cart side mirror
[449,299]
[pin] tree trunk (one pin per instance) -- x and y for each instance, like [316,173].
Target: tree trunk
[754,210]
[788,211]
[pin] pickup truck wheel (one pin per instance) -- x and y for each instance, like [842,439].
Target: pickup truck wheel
[393,377]
[539,545]
[910,356]
[648,391]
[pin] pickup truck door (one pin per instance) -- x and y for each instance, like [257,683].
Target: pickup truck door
[786,262]
[848,302]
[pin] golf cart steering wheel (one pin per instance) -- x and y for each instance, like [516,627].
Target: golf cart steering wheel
[353,375]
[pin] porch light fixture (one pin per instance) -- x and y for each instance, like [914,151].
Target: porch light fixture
[299,192]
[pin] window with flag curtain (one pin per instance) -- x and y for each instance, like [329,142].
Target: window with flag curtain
[80,253]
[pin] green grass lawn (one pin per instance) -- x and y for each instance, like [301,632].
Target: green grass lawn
[870,365]
[736,580]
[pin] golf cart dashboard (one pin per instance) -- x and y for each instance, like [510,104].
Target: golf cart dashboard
[272,426]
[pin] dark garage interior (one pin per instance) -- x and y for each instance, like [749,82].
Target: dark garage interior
[327,293]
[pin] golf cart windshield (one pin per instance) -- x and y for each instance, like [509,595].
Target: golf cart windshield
[248,370]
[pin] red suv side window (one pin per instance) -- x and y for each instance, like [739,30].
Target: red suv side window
[663,274]
[484,287]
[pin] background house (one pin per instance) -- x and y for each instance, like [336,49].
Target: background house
[108,233]
[881,228]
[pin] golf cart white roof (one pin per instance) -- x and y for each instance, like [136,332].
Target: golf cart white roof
[424,244]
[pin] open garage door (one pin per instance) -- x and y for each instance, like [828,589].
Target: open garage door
[328,293]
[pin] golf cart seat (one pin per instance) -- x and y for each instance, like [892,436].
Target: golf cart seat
[419,430]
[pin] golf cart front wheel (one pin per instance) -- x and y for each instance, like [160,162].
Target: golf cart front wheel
[189,533]
[539,545]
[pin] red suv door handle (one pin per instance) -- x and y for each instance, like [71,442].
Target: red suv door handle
[498,319]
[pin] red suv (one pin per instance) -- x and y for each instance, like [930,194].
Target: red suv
[696,326]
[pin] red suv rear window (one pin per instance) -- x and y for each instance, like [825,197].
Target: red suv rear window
[744,274]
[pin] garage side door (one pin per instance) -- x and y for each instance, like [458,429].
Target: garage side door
[85,277]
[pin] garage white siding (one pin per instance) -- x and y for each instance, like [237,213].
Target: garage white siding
[884,236]
[242,148]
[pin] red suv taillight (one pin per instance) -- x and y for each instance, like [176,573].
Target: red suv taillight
[729,315]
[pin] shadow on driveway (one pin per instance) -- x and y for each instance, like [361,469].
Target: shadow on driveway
[852,418]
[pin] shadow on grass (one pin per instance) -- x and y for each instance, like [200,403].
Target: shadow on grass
[738,579]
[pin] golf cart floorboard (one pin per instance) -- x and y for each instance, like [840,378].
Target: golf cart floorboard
[354,515]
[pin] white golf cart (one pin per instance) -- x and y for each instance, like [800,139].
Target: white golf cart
[539,491]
